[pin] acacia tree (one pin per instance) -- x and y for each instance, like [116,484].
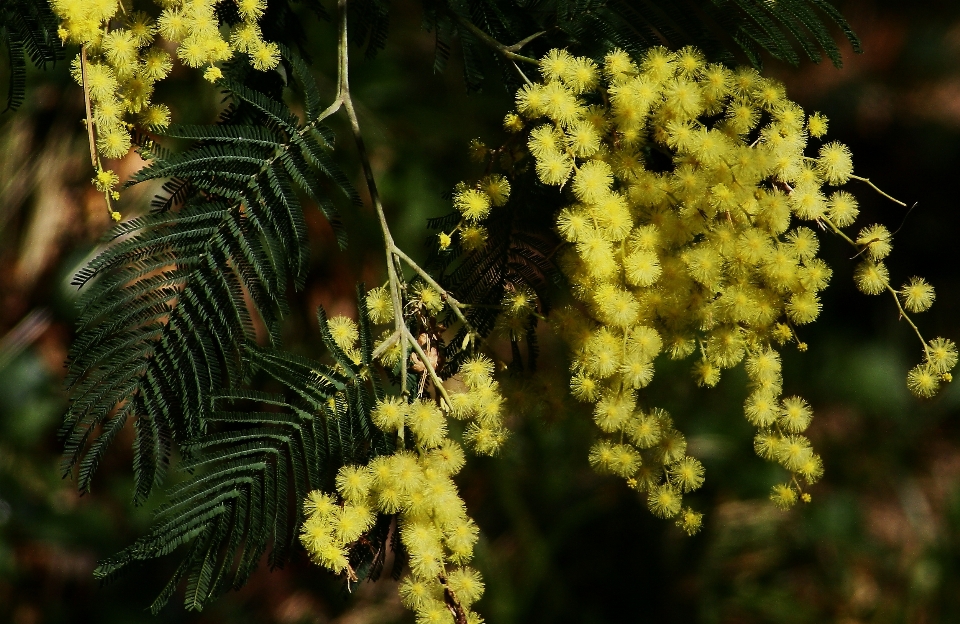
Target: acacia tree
[653,196]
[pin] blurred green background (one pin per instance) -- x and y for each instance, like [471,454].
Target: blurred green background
[879,543]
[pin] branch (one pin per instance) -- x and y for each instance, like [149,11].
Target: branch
[860,249]
[394,255]
[508,52]
[91,139]
[877,189]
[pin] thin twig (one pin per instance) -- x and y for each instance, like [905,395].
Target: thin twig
[347,101]
[455,305]
[907,318]
[508,52]
[428,366]
[386,344]
[877,189]
[86,101]
[896,299]
[91,139]
[518,45]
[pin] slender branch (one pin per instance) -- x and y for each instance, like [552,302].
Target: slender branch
[455,305]
[507,51]
[91,139]
[428,366]
[907,318]
[86,101]
[343,95]
[453,604]
[896,299]
[518,45]
[386,344]
[877,189]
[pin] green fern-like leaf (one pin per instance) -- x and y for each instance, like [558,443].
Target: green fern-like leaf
[169,306]
[28,30]
[250,474]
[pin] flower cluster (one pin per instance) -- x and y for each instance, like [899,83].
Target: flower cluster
[690,229]
[417,486]
[123,56]
[434,528]
[474,203]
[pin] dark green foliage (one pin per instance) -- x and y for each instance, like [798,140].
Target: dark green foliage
[250,474]
[518,253]
[170,316]
[723,29]
[28,29]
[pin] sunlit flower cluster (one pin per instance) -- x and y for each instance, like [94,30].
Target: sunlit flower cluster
[695,197]
[125,56]
[416,485]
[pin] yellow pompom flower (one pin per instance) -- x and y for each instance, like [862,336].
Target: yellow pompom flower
[428,297]
[835,163]
[582,138]
[811,470]
[783,496]
[917,295]
[792,451]
[592,181]
[473,238]
[473,204]
[120,48]
[415,593]
[803,308]
[618,64]
[114,143]
[555,64]
[872,278]
[817,125]
[796,415]
[497,189]
[251,9]
[686,474]
[942,355]
[613,412]
[466,584]
[875,239]
[141,28]
[264,56]
[477,371]
[706,374]
[485,439]
[761,408]
[584,388]
[512,123]
[105,180]
[554,168]
[922,381]
[344,331]
[173,24]
[353,483]
[690,521]
[658,62]
[156,64]
[389,414]
[380,305]
[101,81]
[427,423]
[580,75]
[212,74]
[664,501]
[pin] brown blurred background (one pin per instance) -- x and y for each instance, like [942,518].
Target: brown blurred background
[879,543]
